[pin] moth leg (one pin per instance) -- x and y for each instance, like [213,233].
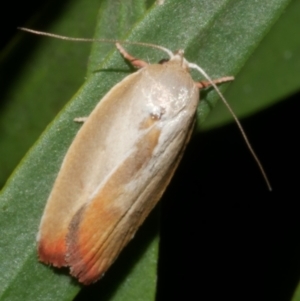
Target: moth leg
[80,119]
[133,60]
[204,84]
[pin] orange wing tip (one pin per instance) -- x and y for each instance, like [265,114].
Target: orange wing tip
[89,272]
[85,276]
[52,254]
[88,269]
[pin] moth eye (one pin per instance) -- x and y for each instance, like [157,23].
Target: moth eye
[163,61]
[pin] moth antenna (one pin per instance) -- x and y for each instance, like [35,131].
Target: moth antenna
[111,41]
[260,166]
[170,53]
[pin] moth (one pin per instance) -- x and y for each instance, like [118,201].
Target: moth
[120,163]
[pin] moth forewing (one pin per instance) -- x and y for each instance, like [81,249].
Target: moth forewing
[93,154]
[121,161]
[116,169]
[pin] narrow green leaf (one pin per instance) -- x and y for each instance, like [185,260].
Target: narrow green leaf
[296,296]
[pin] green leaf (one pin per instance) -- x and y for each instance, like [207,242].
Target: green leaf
[269,75]
[220,36]
[296,296]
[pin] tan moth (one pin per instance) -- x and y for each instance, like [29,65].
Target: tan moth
[120,163]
